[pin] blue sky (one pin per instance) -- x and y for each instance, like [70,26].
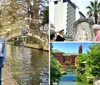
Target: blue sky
[69,47]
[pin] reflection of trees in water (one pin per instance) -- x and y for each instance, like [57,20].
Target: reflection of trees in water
[26,64]
[13,63]
[39,60]
[12,53]
[24,56]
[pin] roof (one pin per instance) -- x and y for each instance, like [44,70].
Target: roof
[81,14]
[64,54]
[69,54]
[73,4]
[56,51]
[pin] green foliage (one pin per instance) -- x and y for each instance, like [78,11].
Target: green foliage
[45,19]
[55,70]
[17,43]
[69,70]
[81,78]
[94,9]
[89,64]
[32,42]
[67,63]
[81,63]
[63,73]
[94,59]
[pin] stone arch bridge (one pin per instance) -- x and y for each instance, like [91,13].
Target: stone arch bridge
[41,38]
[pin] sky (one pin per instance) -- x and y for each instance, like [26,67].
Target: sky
[82,4]
[71,47]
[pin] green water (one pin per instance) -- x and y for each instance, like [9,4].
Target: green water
[28,66]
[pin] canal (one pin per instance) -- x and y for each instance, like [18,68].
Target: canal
[28,66]
[70,80]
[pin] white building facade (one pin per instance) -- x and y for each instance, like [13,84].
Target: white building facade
[66,13]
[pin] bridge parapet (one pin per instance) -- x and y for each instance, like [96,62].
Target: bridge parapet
[13,34]
[42,37]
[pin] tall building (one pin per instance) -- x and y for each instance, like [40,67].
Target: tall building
[80,49]
[66,13]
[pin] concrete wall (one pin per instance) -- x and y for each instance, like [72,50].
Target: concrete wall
[58,16]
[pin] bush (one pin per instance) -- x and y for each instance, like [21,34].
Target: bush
[63,73]
[16,42]
[67,63]
[81,78]
[55,68]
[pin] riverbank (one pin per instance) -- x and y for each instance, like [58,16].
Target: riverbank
[36,46]
[7,78]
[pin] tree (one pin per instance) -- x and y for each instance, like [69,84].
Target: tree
[15,12]
[11,15]
[94,59]
[55,70]
[91,66]
[82,59]
[94,9]
[45,19]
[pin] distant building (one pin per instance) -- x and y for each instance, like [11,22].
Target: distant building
[66,13]
[70,57]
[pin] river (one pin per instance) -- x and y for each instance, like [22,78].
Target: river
[28,66]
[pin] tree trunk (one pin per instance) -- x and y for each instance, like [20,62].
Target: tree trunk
[36,16]
[96,17]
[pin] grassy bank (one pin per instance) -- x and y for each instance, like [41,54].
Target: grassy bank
[82,80]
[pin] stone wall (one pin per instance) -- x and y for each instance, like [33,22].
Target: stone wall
[96,81]
[83,30]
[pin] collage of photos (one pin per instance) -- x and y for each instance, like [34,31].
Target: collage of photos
[49,42]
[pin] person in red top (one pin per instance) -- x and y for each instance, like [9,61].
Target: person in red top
[96,30]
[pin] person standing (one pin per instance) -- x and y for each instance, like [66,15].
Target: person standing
[96,30]
[2,57]
[60,36]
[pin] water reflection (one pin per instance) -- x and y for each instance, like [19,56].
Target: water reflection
[28,66]
[68,80]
